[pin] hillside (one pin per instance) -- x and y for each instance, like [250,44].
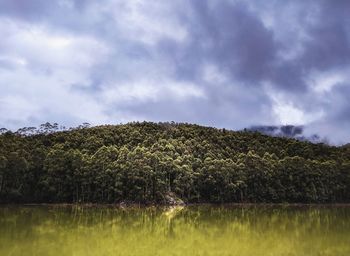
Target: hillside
[149,162]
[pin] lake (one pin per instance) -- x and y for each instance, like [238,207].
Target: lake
[193,230]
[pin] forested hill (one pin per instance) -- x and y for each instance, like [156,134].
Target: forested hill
[149,162]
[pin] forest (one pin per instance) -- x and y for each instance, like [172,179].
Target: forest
[144,162]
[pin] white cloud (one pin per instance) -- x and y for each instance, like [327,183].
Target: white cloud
[323,82]
[45,65]
[14,106]
[150,90]
[211,74]
[147,21]
[28,97]
[13,61]
[286,111]
[66,3]
[46,62]
[37,44]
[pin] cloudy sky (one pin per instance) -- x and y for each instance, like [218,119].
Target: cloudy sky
[223,63]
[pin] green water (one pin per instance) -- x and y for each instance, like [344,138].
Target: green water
[199,230]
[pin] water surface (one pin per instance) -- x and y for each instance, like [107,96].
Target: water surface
[195,230]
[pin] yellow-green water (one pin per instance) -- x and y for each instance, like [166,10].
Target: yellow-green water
[199,230]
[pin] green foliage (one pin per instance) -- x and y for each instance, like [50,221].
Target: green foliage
[146,162]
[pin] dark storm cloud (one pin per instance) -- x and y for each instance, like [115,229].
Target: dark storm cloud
[339,112]
[229,63]
[328,45]
[235,38]
[24,9]
[228,35]
[35,10]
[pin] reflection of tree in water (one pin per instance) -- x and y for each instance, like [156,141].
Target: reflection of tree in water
[320,227]
[170,214]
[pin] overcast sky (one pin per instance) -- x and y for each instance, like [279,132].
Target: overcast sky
[223,63]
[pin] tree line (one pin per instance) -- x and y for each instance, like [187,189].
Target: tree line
[143,162]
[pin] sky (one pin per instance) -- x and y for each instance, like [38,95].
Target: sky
[221,63]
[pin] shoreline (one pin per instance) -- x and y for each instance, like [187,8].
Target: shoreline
[136,205]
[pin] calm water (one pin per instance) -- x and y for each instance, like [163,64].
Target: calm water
[204,230]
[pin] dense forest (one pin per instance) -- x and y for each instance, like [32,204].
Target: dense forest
[146,162]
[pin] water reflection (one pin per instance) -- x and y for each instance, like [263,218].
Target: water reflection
[196,230]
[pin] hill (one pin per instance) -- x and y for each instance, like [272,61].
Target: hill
[150,162]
